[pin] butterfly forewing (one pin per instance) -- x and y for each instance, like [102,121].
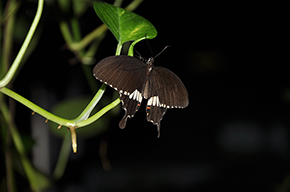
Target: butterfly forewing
[121,72]
[170,90]
[127,75]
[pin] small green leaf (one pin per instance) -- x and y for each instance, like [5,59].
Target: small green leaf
[125,25]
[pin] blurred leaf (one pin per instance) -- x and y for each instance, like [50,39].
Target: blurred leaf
[42,183]
[28,142]
[125,25]
[64,5]
[78,7]
[70,109]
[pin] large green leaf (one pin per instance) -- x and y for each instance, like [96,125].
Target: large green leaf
[125,25]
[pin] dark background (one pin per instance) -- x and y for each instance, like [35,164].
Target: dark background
[233,136]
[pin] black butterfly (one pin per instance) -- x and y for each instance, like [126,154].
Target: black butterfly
[135,80]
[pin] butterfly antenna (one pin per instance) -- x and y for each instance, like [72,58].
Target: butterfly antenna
[151,49]
[162,51]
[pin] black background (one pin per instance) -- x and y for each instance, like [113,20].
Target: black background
[233,136]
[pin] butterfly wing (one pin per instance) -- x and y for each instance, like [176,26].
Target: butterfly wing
[170,89]
[126,75]
[165,90]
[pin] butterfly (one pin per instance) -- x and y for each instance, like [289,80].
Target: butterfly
[136,80]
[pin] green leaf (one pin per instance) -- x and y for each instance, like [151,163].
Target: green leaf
[125,25]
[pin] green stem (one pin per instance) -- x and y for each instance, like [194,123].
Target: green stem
[131,48]
[81,121]
[118,3]
[76,29]
[8,161]
[87,111]
[10,15]
[88,38]
[28,168]
[65,32]
[88,58]
[25,44]
[36,108]
[119,48]
[133,5]
[98,114]
[63,158]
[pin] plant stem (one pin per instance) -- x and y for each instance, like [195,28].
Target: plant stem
[10,14]
[81,121]
[99,113]
[133,5]
[65,32]
[8,162]
[76,29]
[23,49]
[28,168]
[87,111]
[131,48]
[62,158]
[36,108]
[118,3]
[88,38]
[119,49]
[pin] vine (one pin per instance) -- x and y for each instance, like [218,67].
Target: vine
[125,26]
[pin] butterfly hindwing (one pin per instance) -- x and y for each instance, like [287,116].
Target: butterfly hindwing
[154,115]
[130,104]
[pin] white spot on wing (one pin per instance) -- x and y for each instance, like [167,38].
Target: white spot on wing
[136,95]
[154,101]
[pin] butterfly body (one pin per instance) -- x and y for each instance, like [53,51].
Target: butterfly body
[135,80]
